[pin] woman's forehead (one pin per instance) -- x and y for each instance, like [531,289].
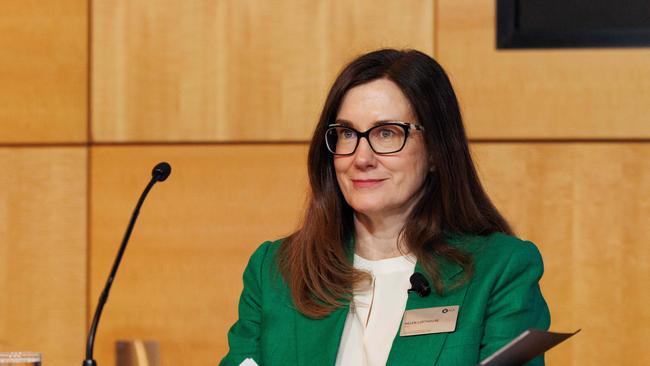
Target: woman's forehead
[374,102]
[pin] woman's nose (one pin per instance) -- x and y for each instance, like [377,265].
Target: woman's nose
[364,157]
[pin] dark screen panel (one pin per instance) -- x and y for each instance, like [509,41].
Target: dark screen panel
[573,23]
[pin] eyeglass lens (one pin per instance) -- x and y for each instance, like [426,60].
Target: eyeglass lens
[383,139]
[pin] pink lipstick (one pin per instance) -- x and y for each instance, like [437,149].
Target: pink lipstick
[366,183]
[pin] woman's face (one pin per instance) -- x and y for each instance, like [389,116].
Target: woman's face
[374,184]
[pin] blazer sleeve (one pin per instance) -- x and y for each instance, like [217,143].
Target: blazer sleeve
[516,302]
[244,335]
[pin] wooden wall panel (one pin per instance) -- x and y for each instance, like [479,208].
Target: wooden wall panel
[587,207]
[43,252]
[181,277]
[43,71]
[580,93]
[205,70]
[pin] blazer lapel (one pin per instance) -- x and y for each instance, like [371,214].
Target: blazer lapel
[425,349]
[318,339]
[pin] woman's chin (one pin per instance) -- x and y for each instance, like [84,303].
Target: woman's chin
[371,209]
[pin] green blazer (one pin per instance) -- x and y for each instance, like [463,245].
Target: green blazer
[500,301]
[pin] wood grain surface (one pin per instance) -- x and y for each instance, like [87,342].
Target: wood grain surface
[181,277]
[43,71]
[43,252]
[557,94]
[233,70]
[587,206]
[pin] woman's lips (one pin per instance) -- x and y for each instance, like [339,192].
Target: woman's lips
[366,183]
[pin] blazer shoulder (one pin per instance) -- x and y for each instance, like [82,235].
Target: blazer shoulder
[497,244]
[499,249]
[265,251]
[503,244]
[263,266]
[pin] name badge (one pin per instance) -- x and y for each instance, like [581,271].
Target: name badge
[440,319]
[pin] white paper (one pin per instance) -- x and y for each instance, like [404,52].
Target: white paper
[248,362]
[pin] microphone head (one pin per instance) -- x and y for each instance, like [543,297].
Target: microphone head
[161,171]
[420,284]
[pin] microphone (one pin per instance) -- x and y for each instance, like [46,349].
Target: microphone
[159,173]
[419,285]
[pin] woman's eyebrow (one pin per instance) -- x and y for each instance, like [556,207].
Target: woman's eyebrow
[347,123]
[385,121]
[343,122]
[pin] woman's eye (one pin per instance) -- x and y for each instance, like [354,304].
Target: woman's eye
[386,133]
[347,134]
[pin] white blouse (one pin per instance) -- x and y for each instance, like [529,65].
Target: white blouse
[375,312]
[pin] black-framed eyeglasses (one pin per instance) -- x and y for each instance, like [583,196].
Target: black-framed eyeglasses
[385,138]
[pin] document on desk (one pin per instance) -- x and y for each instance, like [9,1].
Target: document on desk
[528,345]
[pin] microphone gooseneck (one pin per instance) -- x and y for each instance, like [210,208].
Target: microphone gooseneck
[419,285]
[160,172]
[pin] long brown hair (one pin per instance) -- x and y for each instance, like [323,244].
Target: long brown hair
[315,260]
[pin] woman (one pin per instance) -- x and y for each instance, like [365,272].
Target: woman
[394,193]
